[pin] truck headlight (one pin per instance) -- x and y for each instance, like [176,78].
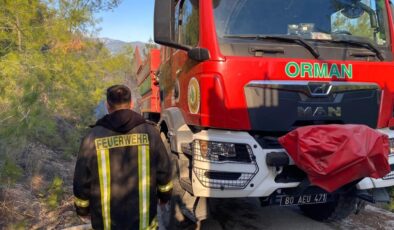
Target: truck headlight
[221,151]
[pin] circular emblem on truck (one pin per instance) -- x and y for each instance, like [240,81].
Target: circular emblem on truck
[193,95]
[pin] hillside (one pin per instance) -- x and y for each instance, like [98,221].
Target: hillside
[116,46]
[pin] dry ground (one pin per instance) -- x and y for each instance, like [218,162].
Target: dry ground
[34,203]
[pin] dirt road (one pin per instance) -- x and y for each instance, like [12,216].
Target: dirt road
[247,214]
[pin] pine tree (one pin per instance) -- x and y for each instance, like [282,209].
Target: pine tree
[52,72]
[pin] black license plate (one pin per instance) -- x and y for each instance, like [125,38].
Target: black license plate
[303,199]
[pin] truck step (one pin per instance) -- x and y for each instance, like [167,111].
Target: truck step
[186,184]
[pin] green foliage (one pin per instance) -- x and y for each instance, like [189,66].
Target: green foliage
[359,27]
[56,192]
[21,225]
[52,74]
[191,35]
[9,172]
[391,205]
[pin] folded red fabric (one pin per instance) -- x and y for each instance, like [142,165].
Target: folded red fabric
[335,155]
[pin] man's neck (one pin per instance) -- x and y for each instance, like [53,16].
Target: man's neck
[123,107]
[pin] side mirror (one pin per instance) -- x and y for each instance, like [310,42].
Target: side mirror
[392,8]
[164,30]
[353,12]
[164,24]
[198,54]
[372,15]
[357,9]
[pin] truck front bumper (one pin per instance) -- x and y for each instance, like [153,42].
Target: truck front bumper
[252,179]
[387,181]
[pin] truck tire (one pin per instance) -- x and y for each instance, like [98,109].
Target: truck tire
[341,208]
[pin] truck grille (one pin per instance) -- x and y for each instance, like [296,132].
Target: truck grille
[300,103]
[223,180]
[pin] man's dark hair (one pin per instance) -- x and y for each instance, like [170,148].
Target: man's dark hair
[118,95]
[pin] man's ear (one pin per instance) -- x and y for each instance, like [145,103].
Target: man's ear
[108,107]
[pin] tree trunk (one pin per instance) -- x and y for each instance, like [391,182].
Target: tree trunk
[19,34]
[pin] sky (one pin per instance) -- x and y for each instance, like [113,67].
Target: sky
[132,20]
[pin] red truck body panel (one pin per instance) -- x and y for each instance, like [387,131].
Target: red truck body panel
[222,79]
[146,80]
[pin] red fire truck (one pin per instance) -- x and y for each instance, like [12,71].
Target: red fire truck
[148,85]
[238,74]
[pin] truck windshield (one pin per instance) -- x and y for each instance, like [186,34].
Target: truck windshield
[361,20]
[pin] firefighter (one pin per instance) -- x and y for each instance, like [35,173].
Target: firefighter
[122,170]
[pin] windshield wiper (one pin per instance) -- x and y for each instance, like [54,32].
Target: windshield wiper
[286,38]
[362,43]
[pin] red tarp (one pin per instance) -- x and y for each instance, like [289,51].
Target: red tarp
[335,155]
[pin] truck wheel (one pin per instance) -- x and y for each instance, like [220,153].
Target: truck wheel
[341,208]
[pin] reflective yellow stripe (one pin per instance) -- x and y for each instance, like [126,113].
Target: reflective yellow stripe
[81,203]
[154,224]
[147,165]
[165,188]
[102,148]
[144,185]
[105,185]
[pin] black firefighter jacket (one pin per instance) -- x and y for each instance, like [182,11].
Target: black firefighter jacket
[121,171]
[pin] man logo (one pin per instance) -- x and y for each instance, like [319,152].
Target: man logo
[319,89]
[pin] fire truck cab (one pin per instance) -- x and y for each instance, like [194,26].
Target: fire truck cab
[238,74]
